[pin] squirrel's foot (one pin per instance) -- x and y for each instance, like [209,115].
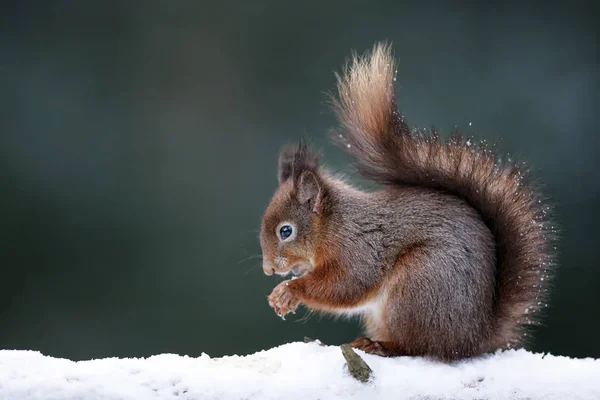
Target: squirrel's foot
[383,349]
[282,299]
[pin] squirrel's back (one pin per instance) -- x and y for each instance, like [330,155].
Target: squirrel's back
[388,152]
[430,260]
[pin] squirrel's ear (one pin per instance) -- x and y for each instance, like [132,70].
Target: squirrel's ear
[309,190]
[286,164]
[308,186]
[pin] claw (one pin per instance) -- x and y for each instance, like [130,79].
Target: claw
[283,301]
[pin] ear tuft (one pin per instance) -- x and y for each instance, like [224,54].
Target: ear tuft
[286,163]
[294,160]
[304,160]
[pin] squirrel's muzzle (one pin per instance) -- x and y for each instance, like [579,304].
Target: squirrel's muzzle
[268,268]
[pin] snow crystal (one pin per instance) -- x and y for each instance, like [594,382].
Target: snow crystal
[296,371]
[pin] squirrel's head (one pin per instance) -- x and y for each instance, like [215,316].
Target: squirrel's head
[292,224]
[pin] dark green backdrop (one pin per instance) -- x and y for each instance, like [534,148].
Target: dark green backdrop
[139,145]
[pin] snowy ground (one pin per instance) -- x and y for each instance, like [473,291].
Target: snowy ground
[296,371]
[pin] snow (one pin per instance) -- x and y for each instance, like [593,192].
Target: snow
[296,371]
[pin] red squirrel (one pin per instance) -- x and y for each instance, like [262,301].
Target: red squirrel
[449,259]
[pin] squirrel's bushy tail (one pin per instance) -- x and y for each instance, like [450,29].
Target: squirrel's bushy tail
[388,152]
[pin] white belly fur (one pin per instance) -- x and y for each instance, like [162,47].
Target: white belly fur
[372,307]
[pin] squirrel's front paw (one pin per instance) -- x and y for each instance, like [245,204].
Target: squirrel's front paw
[282,300]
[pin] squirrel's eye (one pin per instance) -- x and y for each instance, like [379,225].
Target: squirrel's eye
[285,232]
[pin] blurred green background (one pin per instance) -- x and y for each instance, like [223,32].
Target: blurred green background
[139,143]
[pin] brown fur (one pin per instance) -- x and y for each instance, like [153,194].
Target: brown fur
[450,259]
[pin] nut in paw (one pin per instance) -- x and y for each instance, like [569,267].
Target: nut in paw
[282,300]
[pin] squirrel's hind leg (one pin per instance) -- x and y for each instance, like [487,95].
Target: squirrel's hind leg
[380,348]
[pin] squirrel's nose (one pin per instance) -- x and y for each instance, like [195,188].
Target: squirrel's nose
[268,269]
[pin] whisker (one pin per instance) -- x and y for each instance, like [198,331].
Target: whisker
[251,257]
[253,268]
[309,313]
